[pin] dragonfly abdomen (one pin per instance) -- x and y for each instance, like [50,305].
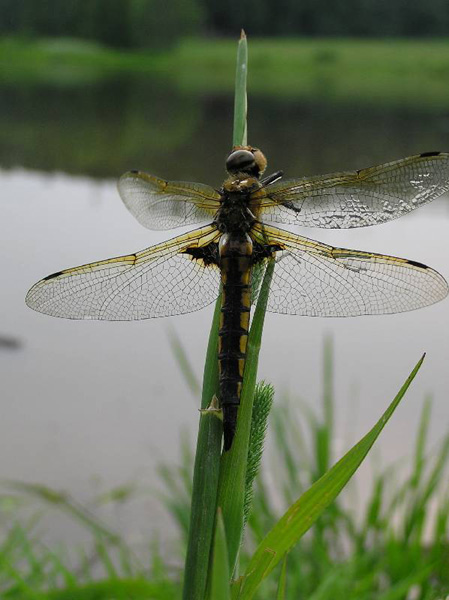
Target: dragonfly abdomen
[235,265]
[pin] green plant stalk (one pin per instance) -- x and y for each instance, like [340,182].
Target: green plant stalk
[205,477]
[207,457]
[282,585]
[220,576]
[231,494]
[240,132]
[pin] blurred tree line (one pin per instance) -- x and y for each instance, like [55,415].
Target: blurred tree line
[158,23]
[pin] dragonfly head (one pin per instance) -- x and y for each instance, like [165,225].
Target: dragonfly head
[246,160]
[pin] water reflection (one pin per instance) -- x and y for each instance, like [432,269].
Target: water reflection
[107,128]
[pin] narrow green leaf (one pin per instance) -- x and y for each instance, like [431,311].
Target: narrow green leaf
[421,440]
[205,478]
[239,137]
[66,503]
[231,494]
[184,363]
[220,576]
[324,431]
[304,512]
[400,589]
[282,586]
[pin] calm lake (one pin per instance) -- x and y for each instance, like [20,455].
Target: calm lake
[88,405]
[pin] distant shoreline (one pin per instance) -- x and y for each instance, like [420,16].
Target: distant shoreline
[393,72]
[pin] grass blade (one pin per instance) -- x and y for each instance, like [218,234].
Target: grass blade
[220,576]
[184,363]
[205,478]
[303,513]
[239,137]
[282,586]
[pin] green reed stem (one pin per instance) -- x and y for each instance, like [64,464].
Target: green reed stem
[205,477]
[208,450]
[239,137]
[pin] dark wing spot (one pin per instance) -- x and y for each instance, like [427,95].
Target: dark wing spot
[135,171]
[208,255]
[53,275]
[263,251]
[424,154]
[417,264]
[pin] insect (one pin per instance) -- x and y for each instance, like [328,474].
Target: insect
[310,278]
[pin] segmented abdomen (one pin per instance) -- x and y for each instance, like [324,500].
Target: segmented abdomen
[235,265]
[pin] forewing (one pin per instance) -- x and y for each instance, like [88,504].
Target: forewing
[318,280]
[157,282]
[358,198]
[160,204]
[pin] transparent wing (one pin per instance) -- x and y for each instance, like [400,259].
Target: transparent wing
[157,282]
[318,280]
[159,204]
[357,198]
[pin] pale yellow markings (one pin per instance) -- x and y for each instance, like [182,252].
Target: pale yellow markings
[246,299]
[244,320]
[243,343]
[245,276]
[245,279]
[241,366]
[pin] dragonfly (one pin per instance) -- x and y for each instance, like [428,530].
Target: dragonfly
[237,237]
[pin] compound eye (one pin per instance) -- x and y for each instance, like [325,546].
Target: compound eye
[240,161]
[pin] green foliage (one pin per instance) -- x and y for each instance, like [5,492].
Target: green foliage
[397,540]
[220,574]
[205,476]
[282,586]
[301,515]
[155,23]
[239,137]
[117,23]
[158,24]
[263,402]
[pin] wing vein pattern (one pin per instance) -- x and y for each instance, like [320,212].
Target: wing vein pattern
[358,198]
[314,279]
[159,204]
[157,282]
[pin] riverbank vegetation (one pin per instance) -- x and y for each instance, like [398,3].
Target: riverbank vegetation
[410,73]
[388,542]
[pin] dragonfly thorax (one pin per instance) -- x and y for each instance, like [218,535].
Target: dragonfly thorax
[234,214]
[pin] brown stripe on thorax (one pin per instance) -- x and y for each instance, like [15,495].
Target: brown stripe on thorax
[235,263]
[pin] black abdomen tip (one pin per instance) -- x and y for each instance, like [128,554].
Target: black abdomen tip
[229,424]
